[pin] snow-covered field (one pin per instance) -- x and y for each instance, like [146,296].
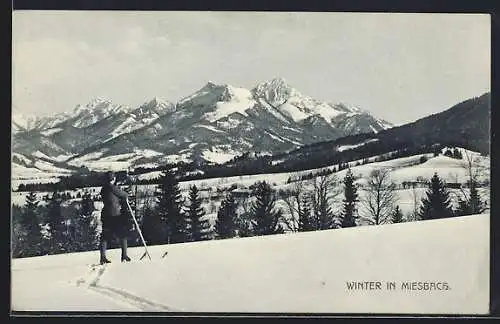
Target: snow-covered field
[41,172]
[292,273]
[218,156]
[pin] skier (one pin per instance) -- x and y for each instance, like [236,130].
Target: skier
[114,222]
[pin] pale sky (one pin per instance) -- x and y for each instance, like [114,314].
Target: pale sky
[400,67]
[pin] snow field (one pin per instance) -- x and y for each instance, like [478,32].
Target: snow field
[293,112]
[211,128]
[349,147]
[273,111]
[230,123]
[51,131]
[241,99]
[216,155]
[293,273]
[21,157]
[41,155]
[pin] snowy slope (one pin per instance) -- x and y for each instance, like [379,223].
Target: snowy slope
[25,122]
[234,100]
[297,106]
[349,147]
[34,170]
[274,274]
[96,110]
[402,169]
[99,162]
[20,120]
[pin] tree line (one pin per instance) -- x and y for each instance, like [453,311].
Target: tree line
[321,203]
[54,228]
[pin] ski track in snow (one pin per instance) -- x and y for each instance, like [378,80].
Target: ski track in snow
[120,295]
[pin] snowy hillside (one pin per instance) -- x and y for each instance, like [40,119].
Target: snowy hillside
[408,169]
[292,273]
[35,169]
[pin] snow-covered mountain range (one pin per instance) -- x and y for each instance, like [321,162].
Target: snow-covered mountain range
[214,124]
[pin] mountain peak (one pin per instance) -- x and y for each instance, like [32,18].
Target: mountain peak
[275,83]
[91,104]
[278,81]
[156,101]
[94,102]
[275,91]
[157,105]
[211,85]
[22,121]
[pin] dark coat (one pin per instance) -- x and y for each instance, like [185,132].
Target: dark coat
[112,197]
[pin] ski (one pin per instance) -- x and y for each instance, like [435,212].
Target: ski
[143,255]
[93,266]
[90,277]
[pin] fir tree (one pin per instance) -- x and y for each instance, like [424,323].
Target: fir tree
[169,208]
[226,223]
[86,236]
[457,154]
[436,203]
[265,218]
[199,228]
[472,204]
[475,204]
[57,225]
[153,227]
[30,219]
[306,222]
[244,225]
[397,216]
[350,201]
[18,233]
[30,238]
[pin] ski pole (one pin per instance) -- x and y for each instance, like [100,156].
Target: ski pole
[138,230]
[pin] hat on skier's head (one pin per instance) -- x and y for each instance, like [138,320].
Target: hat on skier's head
[110,176]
